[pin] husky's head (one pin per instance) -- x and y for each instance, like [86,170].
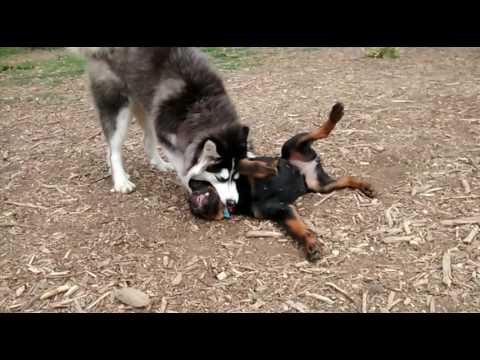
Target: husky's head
[218,161]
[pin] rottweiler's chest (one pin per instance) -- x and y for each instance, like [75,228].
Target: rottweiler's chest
[285,187]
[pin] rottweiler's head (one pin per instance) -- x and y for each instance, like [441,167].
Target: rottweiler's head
[204,200]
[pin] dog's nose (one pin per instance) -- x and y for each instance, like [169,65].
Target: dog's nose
[231,204]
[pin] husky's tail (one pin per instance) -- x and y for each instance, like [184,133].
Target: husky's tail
[89,52]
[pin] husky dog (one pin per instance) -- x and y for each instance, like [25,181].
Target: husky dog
[180,102]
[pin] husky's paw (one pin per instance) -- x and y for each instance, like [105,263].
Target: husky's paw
[161,165]
[123,185]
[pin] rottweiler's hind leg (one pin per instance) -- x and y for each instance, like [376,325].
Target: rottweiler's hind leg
[344,182]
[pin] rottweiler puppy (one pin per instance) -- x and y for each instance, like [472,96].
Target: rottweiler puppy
[268,186]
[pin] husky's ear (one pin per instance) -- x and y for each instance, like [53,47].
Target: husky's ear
[210,150]
[256,169]
[208,156]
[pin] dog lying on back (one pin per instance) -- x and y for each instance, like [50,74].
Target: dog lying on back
[268,186]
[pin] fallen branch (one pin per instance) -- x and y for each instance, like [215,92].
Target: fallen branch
[98,180]
[324,199]
[259,234]
[462,221]
[33,206]
[341,291]
[98,300]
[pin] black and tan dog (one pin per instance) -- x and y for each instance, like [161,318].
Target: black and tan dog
[269,186]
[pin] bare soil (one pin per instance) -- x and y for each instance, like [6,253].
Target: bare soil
[411,127]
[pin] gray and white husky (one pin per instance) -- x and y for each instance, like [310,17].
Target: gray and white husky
[180,102]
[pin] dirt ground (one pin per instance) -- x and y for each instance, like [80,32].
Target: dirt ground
[411,127]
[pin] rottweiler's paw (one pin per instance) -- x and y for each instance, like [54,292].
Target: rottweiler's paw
[336,113]
[268,171]
[313,248]
[368,191]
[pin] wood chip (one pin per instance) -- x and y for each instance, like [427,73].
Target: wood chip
[389,218]
[262,234]
[302,264]
[431,303]
[402,101]
[397,239]
[466,186]
[163,305]
[61,304]
[393,231]
[429,191]
[20,291]
[297,306]
[391,297]
[320,297]
[258,305]
[472,235]
[54,292]
[58,273]
[364,302]
[177,279]
[194,260]
[34,269]
[391,302]
[446,268]
[70,291]
[132,297]
[462,221]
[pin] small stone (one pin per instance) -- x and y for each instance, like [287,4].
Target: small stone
[132,297]
[222,276]
[20,291]
[177,279]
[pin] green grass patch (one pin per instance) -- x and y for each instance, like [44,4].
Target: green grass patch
[383,52]
[231,58]
[9,51]
[52,71]
[62,65]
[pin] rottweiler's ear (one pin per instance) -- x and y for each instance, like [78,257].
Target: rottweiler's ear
[246,131]
[256,169]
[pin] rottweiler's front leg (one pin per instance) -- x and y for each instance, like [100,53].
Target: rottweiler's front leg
[288,217]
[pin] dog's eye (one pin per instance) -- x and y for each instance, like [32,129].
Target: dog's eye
[221,179]
[222,176]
